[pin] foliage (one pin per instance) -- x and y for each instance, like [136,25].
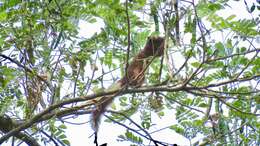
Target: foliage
[208,79]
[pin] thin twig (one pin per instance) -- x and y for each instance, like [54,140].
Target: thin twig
[128,39]
[138,126]
[221,99]
[232,55]
[28,70]
[177,23]
[184,105]
[147,136]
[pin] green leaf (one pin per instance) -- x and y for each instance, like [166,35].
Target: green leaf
[3,16]
[92,20]
[130,136]
[5,104]
[205,9]
[141,2]
[9,4]
[160,113]
[243,49]
[7,75]
[62,136]
[146,119]
[108,58]
[195,64]
[203,105]
[20,103]
[177,129]
[65,141]
[229,44]
[231,17]
[220,49]
[146,125]
[62,126]
[219,46]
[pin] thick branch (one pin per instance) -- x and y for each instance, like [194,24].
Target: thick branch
[48,110]
[163,88]
[7,124]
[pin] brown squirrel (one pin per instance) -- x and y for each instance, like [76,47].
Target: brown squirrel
[135,74]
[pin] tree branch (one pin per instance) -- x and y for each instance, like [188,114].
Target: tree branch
[147,136]
[7,124]
[128,40]
[36,118]
[162,88]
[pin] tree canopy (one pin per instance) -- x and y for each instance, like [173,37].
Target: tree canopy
[59,57]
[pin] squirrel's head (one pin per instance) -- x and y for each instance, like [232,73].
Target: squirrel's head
[154,46]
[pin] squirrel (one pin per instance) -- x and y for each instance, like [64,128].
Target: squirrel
[135,74]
